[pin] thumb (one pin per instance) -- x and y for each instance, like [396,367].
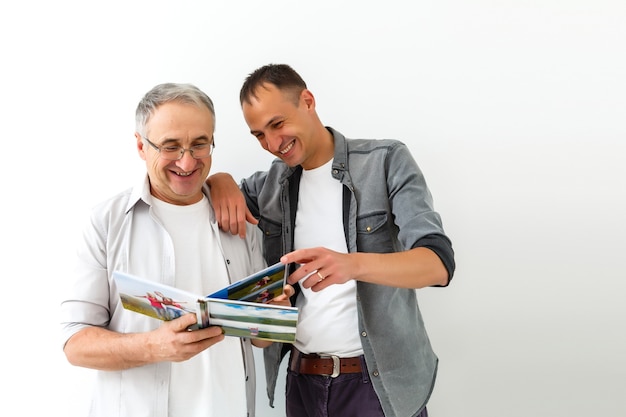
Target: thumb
[288,290]
[184,322]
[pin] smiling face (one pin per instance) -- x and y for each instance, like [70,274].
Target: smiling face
[177,124]
[287,126]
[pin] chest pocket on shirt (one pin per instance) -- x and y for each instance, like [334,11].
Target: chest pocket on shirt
[272,242]
[373,234]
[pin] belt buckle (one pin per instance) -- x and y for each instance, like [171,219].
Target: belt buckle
[336,365]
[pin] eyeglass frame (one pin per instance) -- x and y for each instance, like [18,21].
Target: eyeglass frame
[181,149]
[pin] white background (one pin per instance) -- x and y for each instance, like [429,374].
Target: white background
[514,110]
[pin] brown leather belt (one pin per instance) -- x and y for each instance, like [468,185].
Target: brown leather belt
[326,365]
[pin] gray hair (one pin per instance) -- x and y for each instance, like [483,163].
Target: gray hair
[166,93]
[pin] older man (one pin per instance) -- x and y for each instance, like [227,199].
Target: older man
[163,229]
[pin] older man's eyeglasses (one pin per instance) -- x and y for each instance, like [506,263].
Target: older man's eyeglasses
[174,153]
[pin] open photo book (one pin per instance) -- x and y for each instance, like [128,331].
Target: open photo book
[240,309]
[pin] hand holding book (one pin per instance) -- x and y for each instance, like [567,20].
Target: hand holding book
[256,306]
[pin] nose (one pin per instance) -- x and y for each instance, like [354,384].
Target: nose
[187,162]
[273,143]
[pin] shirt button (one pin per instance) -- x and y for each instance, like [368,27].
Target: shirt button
[364,334]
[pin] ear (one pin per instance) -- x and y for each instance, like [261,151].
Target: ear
[309,100]
[141,146]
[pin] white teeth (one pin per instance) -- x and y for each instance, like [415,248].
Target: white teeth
[287,149]
[183,174]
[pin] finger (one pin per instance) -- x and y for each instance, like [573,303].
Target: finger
[319,280]
[223,217]
[284,303]
[303,271]
[291,279]
[310,281]
[288,291]
[183,322]
[300,256]
[210,332]
[238,224]
[218,215]
[319,285]
[250,218]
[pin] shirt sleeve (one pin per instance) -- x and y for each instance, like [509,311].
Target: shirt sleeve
[86,301]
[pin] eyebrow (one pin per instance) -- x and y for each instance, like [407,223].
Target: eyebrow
[199,138]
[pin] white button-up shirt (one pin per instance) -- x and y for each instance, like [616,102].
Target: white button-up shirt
[110,243]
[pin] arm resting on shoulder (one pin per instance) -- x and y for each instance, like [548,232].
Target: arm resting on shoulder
[229,204]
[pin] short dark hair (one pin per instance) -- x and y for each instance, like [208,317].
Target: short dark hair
[282,76]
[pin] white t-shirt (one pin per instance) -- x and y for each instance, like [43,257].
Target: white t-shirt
[328,321]
[217,372]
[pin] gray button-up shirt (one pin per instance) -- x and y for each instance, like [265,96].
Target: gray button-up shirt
[387,208]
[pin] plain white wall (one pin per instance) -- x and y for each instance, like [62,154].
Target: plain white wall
[513,109]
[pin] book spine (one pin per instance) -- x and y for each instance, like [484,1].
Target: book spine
[203,313]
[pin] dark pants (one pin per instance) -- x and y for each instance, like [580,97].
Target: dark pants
[348,395]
